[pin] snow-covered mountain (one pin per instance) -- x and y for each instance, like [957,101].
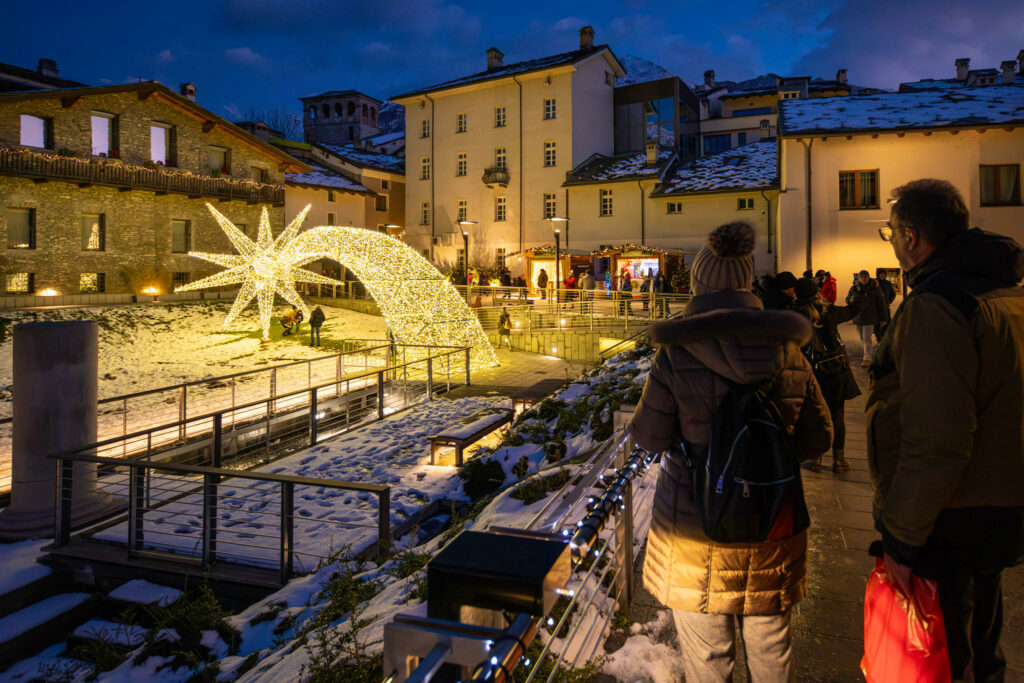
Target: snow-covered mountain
[640,70]
[391,118]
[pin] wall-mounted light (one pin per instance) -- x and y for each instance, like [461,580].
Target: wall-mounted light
[49,291]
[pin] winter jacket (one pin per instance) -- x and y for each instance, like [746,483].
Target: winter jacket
[945,434]
[829,291]
[776,300]
[505,324]
[888,291]
[724,337]
[873,308]
[834,377]
[542,280]
[317,317]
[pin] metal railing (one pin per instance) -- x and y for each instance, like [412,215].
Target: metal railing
[24,162]
[604,516]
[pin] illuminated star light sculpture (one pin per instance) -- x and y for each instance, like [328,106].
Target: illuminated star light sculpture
[264,268]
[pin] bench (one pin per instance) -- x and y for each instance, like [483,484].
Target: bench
[470,430]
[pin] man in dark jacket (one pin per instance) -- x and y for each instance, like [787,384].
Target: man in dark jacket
[781,294]
[888,291]
[945,435]
[874,312]
[316,321]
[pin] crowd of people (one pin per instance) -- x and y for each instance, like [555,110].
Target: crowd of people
[945,438]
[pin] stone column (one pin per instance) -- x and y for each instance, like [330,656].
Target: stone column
[55,387]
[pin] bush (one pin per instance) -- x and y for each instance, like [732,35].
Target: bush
[539,487]
[189,618]
[481,477]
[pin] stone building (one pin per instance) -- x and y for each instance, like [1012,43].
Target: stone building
[105,189]
[339,117]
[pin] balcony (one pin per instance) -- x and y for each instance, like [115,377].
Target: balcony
[495,177]
[85,172]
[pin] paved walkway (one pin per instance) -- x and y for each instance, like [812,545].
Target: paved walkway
[828,624]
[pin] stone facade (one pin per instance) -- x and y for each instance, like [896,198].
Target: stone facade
[138,223]
[339,117]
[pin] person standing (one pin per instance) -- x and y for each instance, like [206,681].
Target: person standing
[660,290]
[625,293]
[586,285]
[888,291]
[829,288]
[945,435]
[715,589]
[506,282]
[781,293]
[874,312]
[542,283]
[645,290]
[505,328]
[316,321]
[827,356]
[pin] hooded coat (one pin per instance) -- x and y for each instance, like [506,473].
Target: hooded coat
[944,414]
[724,337]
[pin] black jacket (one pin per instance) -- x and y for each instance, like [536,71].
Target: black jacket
[835,377]
[873,307]
[317,317]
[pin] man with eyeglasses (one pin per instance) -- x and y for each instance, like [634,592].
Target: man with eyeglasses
[945,428]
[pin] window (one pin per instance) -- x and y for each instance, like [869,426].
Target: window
[425,213]
[381,202]
[461,256]
[181,237]
[463,210]
[91,283]
[312,112]
[549,108]
[330,196]
[745,203]
[425,128]
[460,164]
[675,207]
[258,174]
[217,159]
[179,280]
[741,139]
[20,283]
[609,78]
[858,189]
[499,117]
[351,108]
[713,144]
[606,203]
[103,134]
[789,95]
[549,154]
[499,208]
[460,123]
[162,144]
[550,205]
[36,131]
[330,218]
[1000,185]
[244,227]
[366,111]
[337,109]
[21,228]
[327,110]
[500,159]
[499,257]
[385,184]
[425,168]
[752,112]
[94,232]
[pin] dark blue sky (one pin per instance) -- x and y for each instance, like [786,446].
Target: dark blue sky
[270,52]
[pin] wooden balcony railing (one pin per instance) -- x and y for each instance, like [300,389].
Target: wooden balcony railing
[34,165]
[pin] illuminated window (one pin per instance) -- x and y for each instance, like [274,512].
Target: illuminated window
[92,283]
[181,237]
[500,159]
[549,108]
[1000,185]
[36,131]
[606,203]
[499,117]
[499,208]
[103,134]
[499,257]
[463,210]
[21,228]
[858,189]
[744,203]
[550,205]
[425,128]
[460,164]
[425,168]
[675,207]
[549,154]
[789,95]
[19,283]
[460,123]
[161,144]
[94,232]
[425,213]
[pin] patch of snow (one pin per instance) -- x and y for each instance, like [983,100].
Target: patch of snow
[102,630]
[323,177]
[15,624]
[750,166]
[359,157]
[143,592]
[18,565]
[644,660]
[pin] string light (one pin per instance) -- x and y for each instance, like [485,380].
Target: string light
[421,306]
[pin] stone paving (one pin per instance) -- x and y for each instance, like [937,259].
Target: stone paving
[828,624]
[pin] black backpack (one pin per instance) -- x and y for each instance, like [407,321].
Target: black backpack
[749,484]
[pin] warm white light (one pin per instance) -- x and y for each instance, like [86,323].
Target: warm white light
[49,291]
[517,324]
[152,291]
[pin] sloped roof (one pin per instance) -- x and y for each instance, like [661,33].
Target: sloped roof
[19,75]
[340,93]
[515,69]
[750,167]
[359,157]
[949,84]
[968,107]
[326,178]
[600,168]
[383,138]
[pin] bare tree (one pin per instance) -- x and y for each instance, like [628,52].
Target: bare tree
[279,118]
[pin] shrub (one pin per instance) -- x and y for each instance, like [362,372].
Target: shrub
[481,477]
[539,487]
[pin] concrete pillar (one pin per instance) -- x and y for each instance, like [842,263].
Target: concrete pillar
[55,387]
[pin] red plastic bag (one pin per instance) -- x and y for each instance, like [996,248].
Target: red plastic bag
[904,638]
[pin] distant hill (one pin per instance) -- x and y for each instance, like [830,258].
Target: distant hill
[391,118]
[640,70]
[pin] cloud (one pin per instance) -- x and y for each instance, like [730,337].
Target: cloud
[165,57]
[245,56]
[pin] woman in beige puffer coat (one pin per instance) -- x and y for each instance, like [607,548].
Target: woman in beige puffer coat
[725,336]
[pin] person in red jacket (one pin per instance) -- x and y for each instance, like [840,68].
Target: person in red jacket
[829,291]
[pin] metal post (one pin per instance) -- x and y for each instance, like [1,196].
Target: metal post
[287,530]
[624,547]
[312,416]
[209,543]
[337,368]
[380,395]
[65,475]
[218,439]
[383,520]
[137,501]
[468,382]
[273,389]
[430,379]
[182,412]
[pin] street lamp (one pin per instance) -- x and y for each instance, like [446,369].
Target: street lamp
[465,249]
[558,251]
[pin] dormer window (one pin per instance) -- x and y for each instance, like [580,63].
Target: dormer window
[789,95]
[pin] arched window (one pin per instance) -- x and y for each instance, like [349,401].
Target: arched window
[312,112]
[365,111]
[337,109]
[327,111]
[351,108]
[351,132]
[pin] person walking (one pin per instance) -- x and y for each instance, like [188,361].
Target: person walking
[316,321]
[874,312]
[716,589]
[542,283]
[505,328]
[945,435]
[888,291]
[827,356]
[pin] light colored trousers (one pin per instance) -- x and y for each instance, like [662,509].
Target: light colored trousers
[708,645]
[867,333]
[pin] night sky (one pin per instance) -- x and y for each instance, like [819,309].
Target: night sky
[269,52]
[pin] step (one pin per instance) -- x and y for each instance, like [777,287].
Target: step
[131,601]
[120,635]
[23,580]
[49,665]
[33,628]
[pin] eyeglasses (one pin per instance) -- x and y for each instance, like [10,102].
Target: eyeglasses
[885,232]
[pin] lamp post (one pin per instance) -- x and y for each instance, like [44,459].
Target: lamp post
[465,250]
[555,220]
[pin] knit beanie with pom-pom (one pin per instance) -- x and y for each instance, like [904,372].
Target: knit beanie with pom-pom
[726,261]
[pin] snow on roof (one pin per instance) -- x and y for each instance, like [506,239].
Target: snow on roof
[947,84]
[323,177]
[511,70]
[384,138]
[600,168]
[751,166]
[893,111]
[359,157]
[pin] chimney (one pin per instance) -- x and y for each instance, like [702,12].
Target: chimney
[48,67]
[709,78]
[963,65]
[766,129]
[1009,68]
[586,37]
[494,57]
[652,153]
[841,76]
[188,90]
